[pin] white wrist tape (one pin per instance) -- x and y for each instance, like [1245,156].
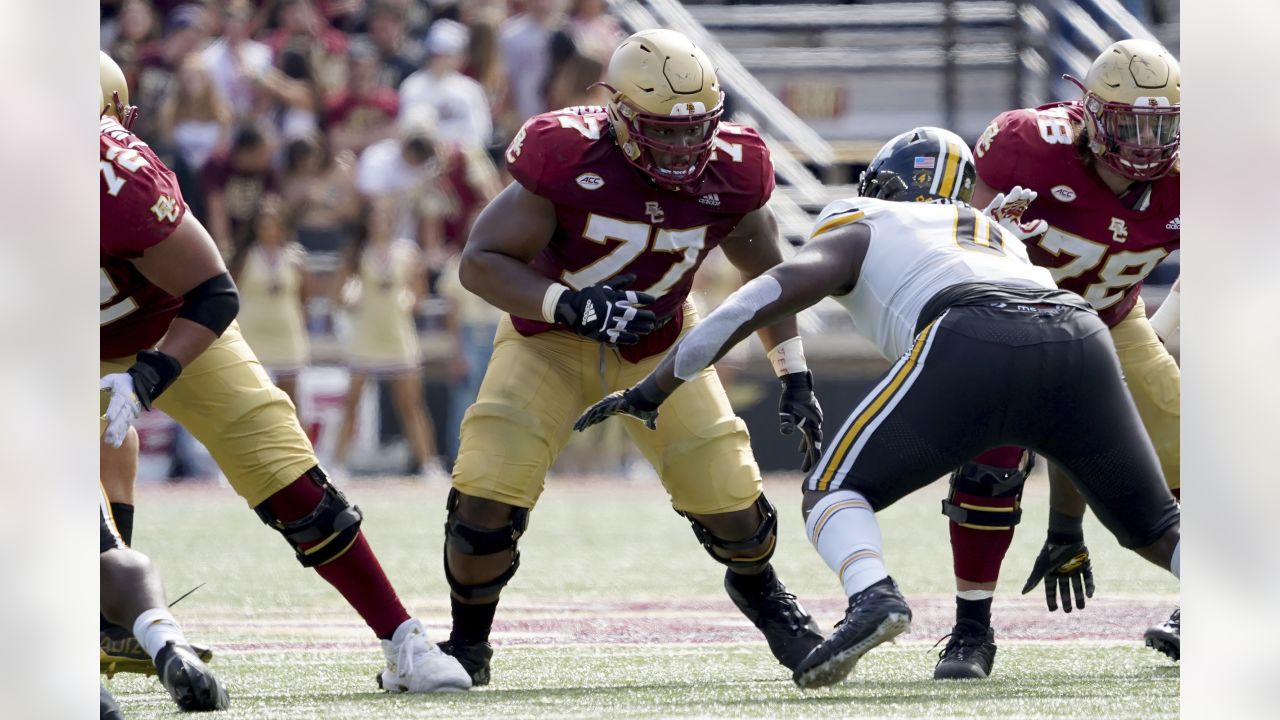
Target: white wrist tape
[1168,317]
[550,300]
[788,357]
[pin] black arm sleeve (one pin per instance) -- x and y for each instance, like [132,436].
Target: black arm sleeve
[213,303]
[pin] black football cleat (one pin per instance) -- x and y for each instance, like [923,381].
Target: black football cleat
[875,615]
[473,658]
[790,631]
[189,681]
[1167,636]
[969,654]
[119,651]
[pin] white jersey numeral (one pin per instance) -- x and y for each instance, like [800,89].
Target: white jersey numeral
[588,125]
[636,238]
[1117,274]
[1055,126]
[690,242]
[110,309]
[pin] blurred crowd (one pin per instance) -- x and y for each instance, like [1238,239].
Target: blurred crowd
[341,109]
[338,152]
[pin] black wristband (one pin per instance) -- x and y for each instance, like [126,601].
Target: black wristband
[1065,529]
[647,395]
[153,372]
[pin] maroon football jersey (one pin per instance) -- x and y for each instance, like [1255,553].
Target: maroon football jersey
[1099,245]
[611,219]
[139,207]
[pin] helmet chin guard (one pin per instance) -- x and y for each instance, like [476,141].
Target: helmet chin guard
[641,137]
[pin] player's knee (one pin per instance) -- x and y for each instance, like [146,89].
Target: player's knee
[325,531]
[475,530]
[987,497]
[120,569]
[742,541]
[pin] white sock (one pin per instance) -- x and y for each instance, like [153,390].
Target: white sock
[1175,565]
[154,628]
[843,529]
[975,594]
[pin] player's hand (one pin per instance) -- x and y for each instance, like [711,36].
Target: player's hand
[798,409]
[624,402]
[1066,567]
[607,312]
[122,409]
[1006,209]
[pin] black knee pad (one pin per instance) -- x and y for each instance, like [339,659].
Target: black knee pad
[334,524]
[1004,487]
[471,540]
[744,555]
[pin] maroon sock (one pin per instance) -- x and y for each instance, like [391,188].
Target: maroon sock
[355,573]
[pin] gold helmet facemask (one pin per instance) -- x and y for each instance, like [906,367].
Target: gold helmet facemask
[665,103]
[115,92]
[1133,102]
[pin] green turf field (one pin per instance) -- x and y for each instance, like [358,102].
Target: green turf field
[617,612]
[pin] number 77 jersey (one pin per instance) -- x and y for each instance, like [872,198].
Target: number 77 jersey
[140,206]
[1099,245]
[612,219]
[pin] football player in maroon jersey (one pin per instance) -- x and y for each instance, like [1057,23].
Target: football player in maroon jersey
[614,208]
[1104,170]
[169,340]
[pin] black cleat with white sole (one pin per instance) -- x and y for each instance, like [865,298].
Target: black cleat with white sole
[189,681]
[1167,636]
[969,654]
[875,615]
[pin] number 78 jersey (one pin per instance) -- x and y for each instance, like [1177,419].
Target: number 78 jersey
[140,205]
[611,219]
[1098,245]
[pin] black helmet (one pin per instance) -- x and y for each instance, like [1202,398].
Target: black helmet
[922,165]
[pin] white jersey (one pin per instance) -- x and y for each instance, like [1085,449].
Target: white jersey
[918,249]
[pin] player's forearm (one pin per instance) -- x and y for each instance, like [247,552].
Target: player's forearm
[185,340]
[506,283]
[1064,498]
[750,308]
[774,335]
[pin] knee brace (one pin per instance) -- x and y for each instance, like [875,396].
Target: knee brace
[750,553]
[996,490]
[326,532]
[471,540]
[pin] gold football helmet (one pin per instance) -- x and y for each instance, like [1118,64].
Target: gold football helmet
[1133,100]
[665,105]
[115,92]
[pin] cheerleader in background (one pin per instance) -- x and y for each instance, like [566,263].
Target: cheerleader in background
[271,271]
[389,272]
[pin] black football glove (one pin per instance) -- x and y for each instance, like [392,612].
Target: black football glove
[798,409]
[607,313]
[634,401]
[1064,564]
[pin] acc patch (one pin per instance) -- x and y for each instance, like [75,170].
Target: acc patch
[1063,193]
[921,178]
[590,181]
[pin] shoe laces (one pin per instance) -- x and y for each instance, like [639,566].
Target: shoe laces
[965,642]
[857,600]
[406,653]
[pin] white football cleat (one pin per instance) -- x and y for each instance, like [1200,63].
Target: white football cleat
[416,665]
